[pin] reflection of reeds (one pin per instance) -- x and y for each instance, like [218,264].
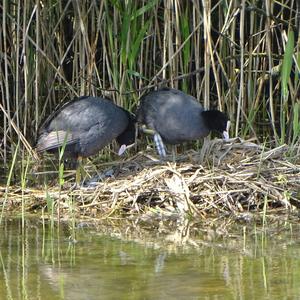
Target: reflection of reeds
[233,177]
[40,263]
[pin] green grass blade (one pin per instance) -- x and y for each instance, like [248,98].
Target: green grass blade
[144,9]
[287,64]
[296,122]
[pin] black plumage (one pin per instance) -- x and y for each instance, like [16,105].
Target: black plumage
[86,125]
[176,117]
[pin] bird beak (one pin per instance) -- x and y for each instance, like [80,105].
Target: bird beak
[226,132]
[123,148]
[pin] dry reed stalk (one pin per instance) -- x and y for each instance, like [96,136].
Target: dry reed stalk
[227,55]
[239,181]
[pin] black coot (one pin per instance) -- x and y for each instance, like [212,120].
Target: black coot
[176,117]
[86,125]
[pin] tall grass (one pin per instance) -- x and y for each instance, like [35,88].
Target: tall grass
[242,57]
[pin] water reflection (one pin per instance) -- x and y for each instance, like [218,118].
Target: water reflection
[45,263]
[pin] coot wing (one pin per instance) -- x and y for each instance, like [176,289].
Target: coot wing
[54,139]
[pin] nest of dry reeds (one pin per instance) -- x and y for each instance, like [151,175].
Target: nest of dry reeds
[223,177]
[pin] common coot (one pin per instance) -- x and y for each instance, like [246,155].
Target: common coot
[175,117]
[84,126]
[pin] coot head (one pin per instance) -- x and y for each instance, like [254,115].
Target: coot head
[127,137]
[216,120]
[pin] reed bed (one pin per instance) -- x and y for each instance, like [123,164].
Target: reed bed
[221,179]
[239,56]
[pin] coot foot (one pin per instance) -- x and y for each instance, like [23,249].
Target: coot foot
[93,182]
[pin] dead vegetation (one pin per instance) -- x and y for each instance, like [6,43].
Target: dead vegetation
[222,178]
[239,57]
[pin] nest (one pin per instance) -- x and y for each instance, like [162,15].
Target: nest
[238,176]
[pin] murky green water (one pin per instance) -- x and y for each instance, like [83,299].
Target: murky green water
[40,263]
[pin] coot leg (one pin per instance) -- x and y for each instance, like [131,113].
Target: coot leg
[174,153]
[159,144]
[160,147]
[79,170]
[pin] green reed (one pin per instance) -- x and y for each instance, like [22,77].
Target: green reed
[239,57]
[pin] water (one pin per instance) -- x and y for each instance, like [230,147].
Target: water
[131,262]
